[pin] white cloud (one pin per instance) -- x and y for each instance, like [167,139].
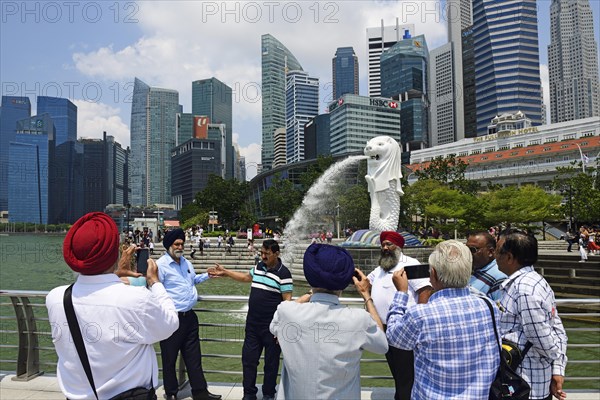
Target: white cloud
[252,155]
[189,40]
[545,89]
[95,118]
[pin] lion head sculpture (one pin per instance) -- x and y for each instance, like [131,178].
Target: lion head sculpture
[383,164]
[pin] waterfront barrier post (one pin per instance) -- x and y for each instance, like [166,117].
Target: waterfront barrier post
[28,359]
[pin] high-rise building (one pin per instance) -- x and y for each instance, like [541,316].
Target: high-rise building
[507,65]
[442,112]
[380,39]
[28,170]
[66,177]
[301,104]
[404,69]
[356,119]
[316,137]
[280,148]
[573,61]
[105,166]
[213,99]
[468,84]
[153,135]
[192,163]
[64,115]
[344,72]
[277,60]
[12,109]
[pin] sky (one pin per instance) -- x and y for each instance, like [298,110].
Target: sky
[91,51]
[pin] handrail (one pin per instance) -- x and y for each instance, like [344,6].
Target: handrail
[33,334]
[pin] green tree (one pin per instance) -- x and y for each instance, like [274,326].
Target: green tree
[314,171]
[450,171]
[281,199]
[580,192]
[227,197]
[521,205]
[355,207]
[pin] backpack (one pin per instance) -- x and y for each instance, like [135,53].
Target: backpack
[508,385]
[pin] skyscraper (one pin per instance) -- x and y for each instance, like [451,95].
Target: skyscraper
[153,132]
[507,65]
[13,109]
[28,179]
[301,104]
[105,165]
[573,61]
[356,119]
[344,72]
[404,69]
[276,61]
[442,113]
[212,98]
[448,91]
[64,115]
[380,39]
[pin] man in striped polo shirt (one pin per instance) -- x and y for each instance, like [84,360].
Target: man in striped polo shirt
[271,284]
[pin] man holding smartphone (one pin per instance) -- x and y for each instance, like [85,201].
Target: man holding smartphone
[401,362]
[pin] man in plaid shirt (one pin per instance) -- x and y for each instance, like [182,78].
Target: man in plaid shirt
[528,314]
[452,335]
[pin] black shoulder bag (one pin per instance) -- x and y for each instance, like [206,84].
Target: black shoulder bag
[507,384]
[139,393]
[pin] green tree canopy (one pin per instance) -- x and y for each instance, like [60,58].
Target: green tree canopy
[450,171]
[281,199]
[580,192]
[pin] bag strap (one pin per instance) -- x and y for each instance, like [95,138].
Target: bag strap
[527,345]
[77,338]
[487,303]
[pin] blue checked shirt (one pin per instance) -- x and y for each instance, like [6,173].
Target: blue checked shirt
[488,280]
[452,336]
[528,313]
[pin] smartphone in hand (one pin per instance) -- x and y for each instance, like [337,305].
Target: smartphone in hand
[418,271]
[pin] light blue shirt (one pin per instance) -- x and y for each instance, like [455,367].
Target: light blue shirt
[179,280]
[322,342]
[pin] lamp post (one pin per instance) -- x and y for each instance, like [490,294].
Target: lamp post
[128,206]
[337,207]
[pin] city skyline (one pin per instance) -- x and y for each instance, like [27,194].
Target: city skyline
[90,56]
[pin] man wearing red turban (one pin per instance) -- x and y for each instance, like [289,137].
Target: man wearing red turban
[383,291]
[119,323]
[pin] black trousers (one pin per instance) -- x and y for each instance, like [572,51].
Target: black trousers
[259,338]
[186,340]
[402,367]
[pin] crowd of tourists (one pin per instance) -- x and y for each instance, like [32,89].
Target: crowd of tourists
[439,325]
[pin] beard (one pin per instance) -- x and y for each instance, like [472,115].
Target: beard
[389,259]
[176,254]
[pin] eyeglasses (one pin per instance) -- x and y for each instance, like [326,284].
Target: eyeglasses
[473,249]
[389,245]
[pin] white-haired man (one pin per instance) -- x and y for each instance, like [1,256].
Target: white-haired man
[452,335]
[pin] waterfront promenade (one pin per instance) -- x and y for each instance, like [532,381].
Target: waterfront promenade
[46,388]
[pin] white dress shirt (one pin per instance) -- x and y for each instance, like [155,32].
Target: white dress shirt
[119,324]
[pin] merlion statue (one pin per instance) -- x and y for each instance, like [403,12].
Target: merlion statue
[383,179]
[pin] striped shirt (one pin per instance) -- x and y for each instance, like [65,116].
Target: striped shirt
[528,313]
[452,336]
[488,280]
[265,292]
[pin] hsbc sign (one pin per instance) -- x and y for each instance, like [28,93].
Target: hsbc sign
[383,103]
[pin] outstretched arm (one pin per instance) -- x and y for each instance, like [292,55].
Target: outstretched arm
[219,270]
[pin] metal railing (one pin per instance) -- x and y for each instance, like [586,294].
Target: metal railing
[26,339]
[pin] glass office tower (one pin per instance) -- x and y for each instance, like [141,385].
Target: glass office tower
[277,60]
[153,135]
[345,72]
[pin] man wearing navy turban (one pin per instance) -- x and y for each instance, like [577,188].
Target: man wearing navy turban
[322,340]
